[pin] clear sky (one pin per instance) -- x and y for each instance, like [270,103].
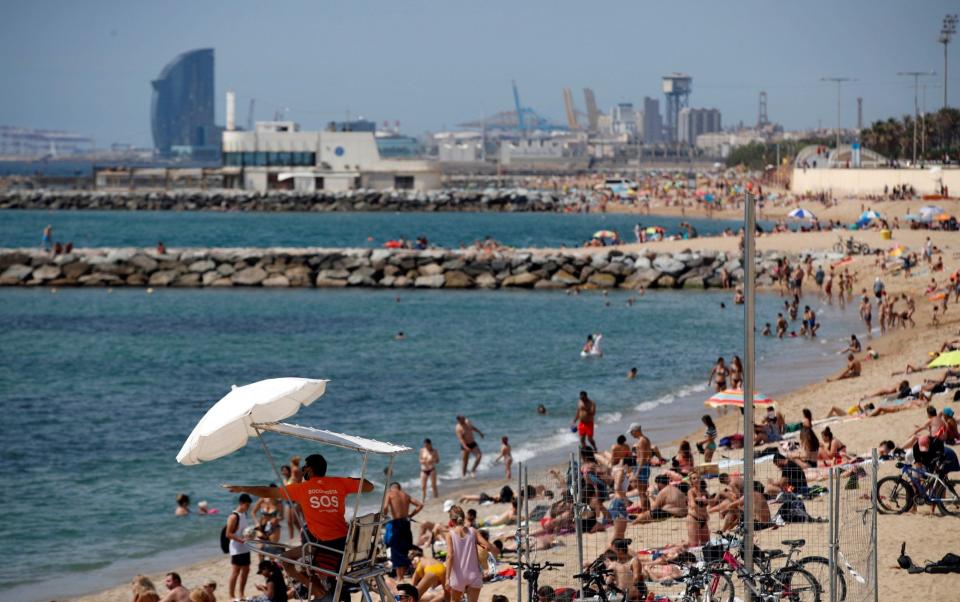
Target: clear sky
[86,66]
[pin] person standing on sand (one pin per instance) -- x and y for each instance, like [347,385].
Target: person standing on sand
[583,419]
[463,571]
[468,445]
[398,504]
[239,552]
[429,458]
[645,452]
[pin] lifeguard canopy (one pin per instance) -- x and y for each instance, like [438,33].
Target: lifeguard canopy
[352,442]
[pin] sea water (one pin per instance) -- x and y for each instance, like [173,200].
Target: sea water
[99,389]
[236,229]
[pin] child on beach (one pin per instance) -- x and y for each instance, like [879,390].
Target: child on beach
[505,456]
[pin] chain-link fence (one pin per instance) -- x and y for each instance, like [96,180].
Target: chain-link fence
[591,517]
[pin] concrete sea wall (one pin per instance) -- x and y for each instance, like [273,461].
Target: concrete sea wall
[872,181]
[276,200]
[375,268]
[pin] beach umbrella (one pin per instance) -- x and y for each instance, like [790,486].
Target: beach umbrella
[931,210]
[604,234]
[950,358]
[226,426]
[734,398]
[869,214]
[898,251]
[801,213]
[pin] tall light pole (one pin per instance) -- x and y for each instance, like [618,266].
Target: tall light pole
[946,34]
[839,81]
[916,75]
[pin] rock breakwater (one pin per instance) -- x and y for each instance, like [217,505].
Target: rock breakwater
[377,268]
[508,200]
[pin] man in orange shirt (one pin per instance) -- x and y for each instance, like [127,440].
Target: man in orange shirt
[322,501]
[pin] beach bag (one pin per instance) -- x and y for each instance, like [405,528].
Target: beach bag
[950,563]
[792,511]
[224,540]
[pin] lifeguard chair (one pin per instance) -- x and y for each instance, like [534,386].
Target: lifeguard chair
[259,408]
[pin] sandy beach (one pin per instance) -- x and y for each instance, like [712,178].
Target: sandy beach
[928,537]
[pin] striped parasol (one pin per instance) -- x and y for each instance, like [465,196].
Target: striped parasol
[734,398]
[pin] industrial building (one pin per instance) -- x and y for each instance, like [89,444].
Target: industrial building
[181,108]
[276,155]
[693,122]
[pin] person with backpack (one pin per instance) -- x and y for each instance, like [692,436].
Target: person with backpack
[236,544]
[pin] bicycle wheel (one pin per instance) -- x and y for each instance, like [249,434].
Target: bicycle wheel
[796,585]
[949,502]
[894,495]
[721,592]
[819,567]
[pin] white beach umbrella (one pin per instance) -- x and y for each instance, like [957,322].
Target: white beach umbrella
[226,426]
[931,211]
[869,214]
[801,213]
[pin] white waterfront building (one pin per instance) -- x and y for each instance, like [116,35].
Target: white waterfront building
[276,155]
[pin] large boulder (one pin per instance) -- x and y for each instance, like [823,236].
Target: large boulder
[204,265]
[15,274]
[669,265]
[298,275]
[642,263]
[333,275]
[188,279]
[249,276]
[47,272]
[143,263]
[457,279]
[602,280]
[640,278]
[666,281]
[549,284]
[486,280]
[162,278]
[276,281]
[525,280]
[74,269]
[100,279]
[327,282]
[565,278]
[207,279]
[430,269]
[434,281]
[15,258]
[226,269]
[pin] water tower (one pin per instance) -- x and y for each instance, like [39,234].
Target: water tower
[676,87]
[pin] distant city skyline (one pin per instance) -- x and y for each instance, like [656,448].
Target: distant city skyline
[87,67]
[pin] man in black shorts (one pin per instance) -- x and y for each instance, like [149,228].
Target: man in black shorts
[468,445]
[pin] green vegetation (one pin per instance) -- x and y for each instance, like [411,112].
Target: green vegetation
[938,134]
[757,155]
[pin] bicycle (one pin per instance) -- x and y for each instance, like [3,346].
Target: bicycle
[851,247]
[766,584]
[818,566]
[531,572]
[915,486]
[594,584]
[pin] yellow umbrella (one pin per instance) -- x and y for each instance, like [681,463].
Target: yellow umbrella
[898,251]
[950,358]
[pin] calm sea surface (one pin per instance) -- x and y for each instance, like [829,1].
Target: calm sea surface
[211,229]
[99,390]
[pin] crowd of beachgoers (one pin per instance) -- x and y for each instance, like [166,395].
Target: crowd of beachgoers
[884,398]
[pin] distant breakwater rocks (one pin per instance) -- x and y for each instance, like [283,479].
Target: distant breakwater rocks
[376,268]
[509,200]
